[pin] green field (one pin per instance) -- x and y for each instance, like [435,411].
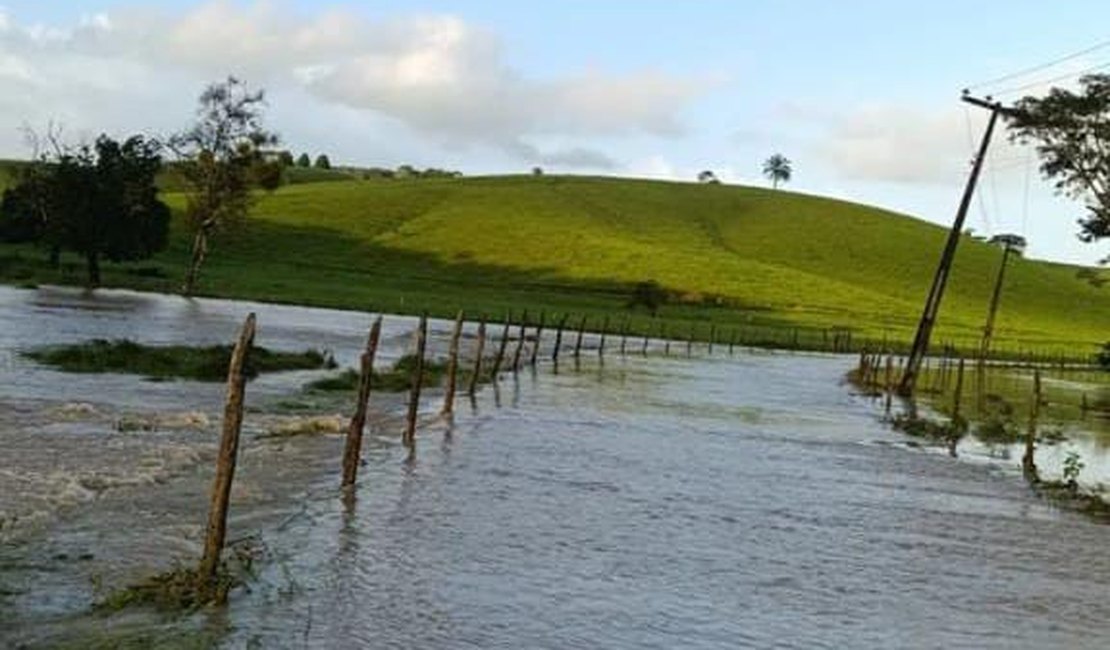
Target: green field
[737,257]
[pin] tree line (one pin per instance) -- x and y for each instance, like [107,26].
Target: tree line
[101,201]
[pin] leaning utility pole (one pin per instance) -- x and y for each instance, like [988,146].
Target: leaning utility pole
[988,328]
[940,279]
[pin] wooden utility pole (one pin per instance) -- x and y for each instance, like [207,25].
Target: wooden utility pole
[932,304]
[988,328]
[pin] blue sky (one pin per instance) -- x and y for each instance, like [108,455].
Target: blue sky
[862,96]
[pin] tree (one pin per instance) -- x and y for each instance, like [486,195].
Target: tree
[537,171]
[778,169]
[220,154]
[24,207]
[322,162]
[708,177]
[648,294]
[285,157]
[100,202]
[1071,131]
[304,161]
[1016,243]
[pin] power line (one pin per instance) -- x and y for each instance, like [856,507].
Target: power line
[1070,75]
[1042,66]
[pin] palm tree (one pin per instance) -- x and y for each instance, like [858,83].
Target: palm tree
[777,168]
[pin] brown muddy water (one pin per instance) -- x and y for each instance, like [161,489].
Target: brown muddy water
[712,502]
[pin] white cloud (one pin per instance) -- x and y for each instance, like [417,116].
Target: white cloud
[905,145]
[438,75]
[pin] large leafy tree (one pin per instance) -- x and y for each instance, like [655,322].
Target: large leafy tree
[98,201]
[1071,131]
[778,169]
[220,157]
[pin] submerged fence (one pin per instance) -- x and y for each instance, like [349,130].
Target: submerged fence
[542,340]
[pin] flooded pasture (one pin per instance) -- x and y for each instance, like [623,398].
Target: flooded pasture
[718,501]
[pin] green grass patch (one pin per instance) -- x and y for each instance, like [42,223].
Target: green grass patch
[202,363]
[772,268]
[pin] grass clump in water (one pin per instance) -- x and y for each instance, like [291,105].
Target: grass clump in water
[203,363]
[397,379]
[182,588]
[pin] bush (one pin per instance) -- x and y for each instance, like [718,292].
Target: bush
[648,295]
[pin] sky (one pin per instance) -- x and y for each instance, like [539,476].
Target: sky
[862,96]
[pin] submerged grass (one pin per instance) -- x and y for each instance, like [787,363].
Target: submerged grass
[202,363]
[398,378]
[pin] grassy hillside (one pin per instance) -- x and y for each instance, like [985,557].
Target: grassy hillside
[735,256]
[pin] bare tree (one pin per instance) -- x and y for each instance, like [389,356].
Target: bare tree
[219,155]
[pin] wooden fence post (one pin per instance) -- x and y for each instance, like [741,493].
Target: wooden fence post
[520,341]
[1028,462]
[481,344]
[501,348]
[452,366]
[889,381]
[417,381]
[539,337]
[578,343]
[956,398]
[624,335]
[712,336]
[559,338]
[225,462]
[353,449]
[601,343]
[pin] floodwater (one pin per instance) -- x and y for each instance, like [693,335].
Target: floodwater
[713,502]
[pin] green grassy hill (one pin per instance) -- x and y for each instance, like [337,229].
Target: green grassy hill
[734,256]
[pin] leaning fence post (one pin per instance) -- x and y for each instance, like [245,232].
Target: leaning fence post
[417,379]
[481,345]
[452,366]
[225,462]
[539,337]
[501,348]
[520,341]
[353,448]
